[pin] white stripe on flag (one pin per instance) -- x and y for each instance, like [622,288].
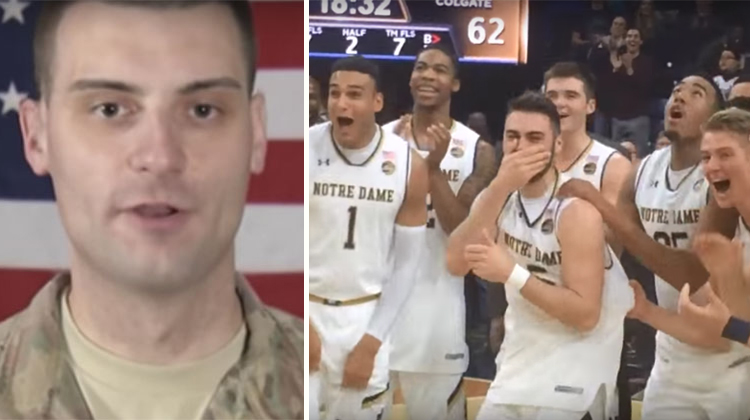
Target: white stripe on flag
[285,102]
[270,238]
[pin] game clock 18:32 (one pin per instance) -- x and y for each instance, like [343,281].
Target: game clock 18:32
[352,8]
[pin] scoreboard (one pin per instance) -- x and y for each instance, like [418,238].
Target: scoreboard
[489,31]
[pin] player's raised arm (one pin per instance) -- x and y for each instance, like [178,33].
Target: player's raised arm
[675,266]
[451,209]
[578,303]
[713,320]
[516,170]
[614,178]
[716,219]
[671,322]
[408,244]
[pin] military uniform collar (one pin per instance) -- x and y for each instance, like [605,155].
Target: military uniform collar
[47,388]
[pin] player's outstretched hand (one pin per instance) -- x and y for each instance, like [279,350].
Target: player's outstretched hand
[578,188]
[721,256]
[360,363]
[438,139]
[315,349]
[489,260]
[642,304]
[403,127]
[709,319]
[518,167]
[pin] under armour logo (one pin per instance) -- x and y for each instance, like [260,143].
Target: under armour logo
[321,162]
[654,184]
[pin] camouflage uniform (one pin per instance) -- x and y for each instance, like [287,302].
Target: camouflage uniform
[37,381]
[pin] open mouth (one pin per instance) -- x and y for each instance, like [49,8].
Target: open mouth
[721,186]
[344,121]
[675,114]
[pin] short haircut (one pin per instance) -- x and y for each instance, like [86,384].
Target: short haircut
[740,102]
[733,120]
[570,69]
[359,64]
[634,28]
[53,11]
[537,103]
[439,47]
[720,101]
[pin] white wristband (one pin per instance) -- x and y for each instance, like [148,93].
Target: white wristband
[518,277]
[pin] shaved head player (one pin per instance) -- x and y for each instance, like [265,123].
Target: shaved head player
[367,231]
[149,128]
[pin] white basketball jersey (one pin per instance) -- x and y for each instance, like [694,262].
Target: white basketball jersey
[669,213]
[353,209]
[544,362]
[592,163]
[429,336]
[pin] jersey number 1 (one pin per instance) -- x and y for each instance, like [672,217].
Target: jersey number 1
[349,244]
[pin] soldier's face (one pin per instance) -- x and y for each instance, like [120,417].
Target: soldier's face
[150,137]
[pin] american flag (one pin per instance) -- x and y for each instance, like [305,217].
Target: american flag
[32,241]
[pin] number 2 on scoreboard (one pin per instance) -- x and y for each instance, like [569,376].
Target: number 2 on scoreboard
[353,40]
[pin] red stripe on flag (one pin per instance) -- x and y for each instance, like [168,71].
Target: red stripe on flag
[283,179]
[284,291]
[280,29]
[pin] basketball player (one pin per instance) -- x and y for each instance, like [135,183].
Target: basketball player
[662,200]
[567,295]
[571,89]
[429,354]
[725,153]
[149,127]
[367,227]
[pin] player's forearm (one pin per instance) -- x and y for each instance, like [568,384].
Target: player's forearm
[483,215]
[562,303]
[675,266]
[449,210]
[409,244]
[671,323]
[735,295]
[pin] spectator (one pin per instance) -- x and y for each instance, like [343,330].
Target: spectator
[477,121]
[630,94]
[704,26]
[589,27]
[647,21]
[741,87]
[729,70]
[662,141]
[317,114]
[599,58]
[631,149]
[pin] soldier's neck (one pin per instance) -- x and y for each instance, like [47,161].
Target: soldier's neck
[193,321]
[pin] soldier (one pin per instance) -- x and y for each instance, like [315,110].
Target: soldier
[149,128]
